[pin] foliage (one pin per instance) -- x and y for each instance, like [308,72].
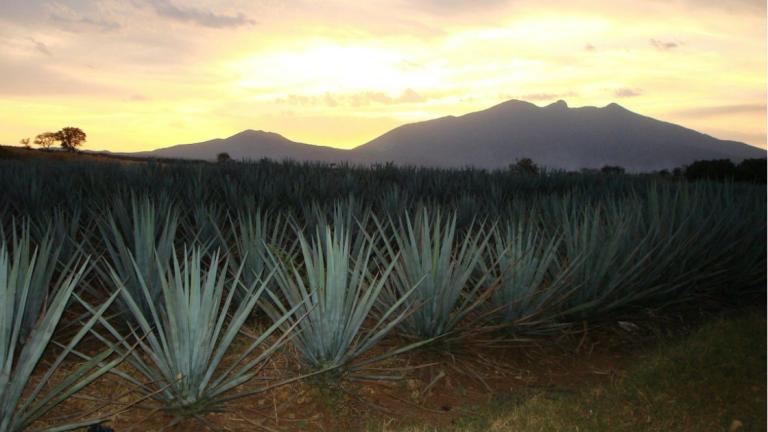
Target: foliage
[336,291]
[525,166]
[427,256]
[21,403]
[139,245]
[183,340]
[252,234]
[752,170]
[612,169]
[71,138]
[46,139]
[432,253]
[524,261]
[40,262]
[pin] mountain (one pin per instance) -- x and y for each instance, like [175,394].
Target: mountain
[555,136]
[249,144]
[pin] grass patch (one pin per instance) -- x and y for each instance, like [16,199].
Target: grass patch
[713,380]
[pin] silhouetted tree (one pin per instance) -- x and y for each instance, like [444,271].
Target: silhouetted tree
[71,138]
[716,169]
[752,170]
[223,157]
[612,169]
[24,142]
[46,139]
[525,166]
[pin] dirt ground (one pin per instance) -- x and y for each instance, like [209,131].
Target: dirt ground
[429,386]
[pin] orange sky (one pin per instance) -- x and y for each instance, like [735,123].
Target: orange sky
[143,74]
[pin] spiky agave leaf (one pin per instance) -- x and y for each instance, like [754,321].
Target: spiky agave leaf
[337,289]
[252,233]
[43,258]
[425,253]
[182,340]
[615,262]
[20,405]
[528,281]
[201,226]
[138,247]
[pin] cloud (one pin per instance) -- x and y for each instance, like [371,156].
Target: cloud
[447,6]
[410,96]
[138,97]
[354,99]
[41,47]
[30,78]
[626,92]
[732,6]
[544,96]
[199,17]
[80,24]
[664,45]
[716,110]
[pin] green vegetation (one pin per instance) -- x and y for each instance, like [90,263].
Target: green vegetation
[713,380]
[22,401]
[336,289]
[427,256]
[223,276]
[188,331]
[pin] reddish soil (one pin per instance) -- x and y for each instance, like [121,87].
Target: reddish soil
[436,387]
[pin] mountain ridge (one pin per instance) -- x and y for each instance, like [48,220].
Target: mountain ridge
[555,135]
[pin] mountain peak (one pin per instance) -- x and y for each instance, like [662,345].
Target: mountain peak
[553,135]
[252,133]
[560,104]
[615,106]
[510,105]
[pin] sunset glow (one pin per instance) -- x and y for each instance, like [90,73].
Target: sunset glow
[143,74]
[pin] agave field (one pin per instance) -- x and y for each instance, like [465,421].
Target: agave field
[183,281]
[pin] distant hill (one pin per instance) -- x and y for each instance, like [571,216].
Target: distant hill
[554,136]
[56,154]
[250,144]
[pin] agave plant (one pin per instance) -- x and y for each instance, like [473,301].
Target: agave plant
[184,339]
[531,281]
[611,261]
[337,290]
[202,227]
[138,247]
[20,403]
[426,256]
[704,239]
[252,234]
[44,260]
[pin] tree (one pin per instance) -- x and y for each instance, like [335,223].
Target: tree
[525,166]
[716,169]
[611,169]
[223,158]
[46,139]
[71,138]
[24,142]
[752,170]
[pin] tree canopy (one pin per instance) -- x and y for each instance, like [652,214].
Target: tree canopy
[71,138]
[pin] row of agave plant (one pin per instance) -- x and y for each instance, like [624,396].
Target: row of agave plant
[168,293]
[38,188]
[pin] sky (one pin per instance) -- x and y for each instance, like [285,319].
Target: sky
[143,74]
